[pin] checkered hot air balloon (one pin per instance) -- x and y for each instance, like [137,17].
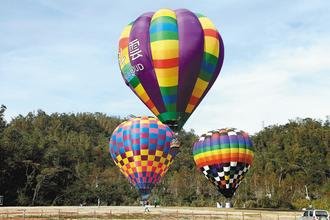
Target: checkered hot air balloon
[140,147]
[224,156]
[170,59]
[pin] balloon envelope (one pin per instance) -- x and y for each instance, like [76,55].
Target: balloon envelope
[170,59]
[224,156]
[140,147]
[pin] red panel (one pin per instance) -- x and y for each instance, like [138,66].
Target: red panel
[211,33]
[168,63]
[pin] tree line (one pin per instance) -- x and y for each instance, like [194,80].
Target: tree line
[63,159]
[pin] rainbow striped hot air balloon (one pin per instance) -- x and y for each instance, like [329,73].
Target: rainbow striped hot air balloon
[170,59]
[140,147]
[224,156]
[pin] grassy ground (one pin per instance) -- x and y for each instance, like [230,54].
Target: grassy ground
[138,212]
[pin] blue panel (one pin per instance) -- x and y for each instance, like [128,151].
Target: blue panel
[152,146]
[158,27]
[121,150]
[144,141]
[153,135]
[136,147]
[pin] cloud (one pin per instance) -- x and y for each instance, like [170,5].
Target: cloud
[288,83]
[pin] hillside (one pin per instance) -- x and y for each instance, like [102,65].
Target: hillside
[62,159]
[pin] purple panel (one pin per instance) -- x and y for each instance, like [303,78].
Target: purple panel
[191,46]
[147,76]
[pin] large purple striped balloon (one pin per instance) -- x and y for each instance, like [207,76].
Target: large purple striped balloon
[170,59]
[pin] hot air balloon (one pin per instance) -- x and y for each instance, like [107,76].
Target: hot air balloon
[140,147]
[224,156]
[170,59]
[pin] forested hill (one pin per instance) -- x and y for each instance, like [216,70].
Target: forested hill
[62,159]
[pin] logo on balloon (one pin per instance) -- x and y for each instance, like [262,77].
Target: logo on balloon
[134,52]
[134,49]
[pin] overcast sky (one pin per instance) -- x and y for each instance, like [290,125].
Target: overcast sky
[61,56]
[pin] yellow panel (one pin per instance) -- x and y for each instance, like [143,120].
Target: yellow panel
[164,166]
[162,160]
[155,111]
[159,153]
[234,150]
[198,92]
[155,163]
[250,152]
[163,12]
[139,89]
[202,155]
[125,160]
[119,158]
[219,152]
[167,81]
[137,158]
[151,157]
[126,31]
[169,156]
[165,54]
[144,152]
[144,120]
[149,169]
[201,84]
[227,177]
[164,45]
[144,96]
[200,87]
[124,59]
[129,153]
[139,169]
[241,150]
[130,171]
[167,72]
[190,108]
[211,45]
[125,54]
[144,163]
[206,23]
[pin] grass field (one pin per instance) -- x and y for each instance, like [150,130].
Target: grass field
[137,212]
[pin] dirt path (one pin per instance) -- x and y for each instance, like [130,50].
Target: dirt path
[138,212]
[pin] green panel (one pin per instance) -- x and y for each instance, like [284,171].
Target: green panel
[163,19]
[199,15]
[171,107]
[171,90]
[134,82]
[217,147]
[167,116]
[210,58]
[205,76]
[164,35]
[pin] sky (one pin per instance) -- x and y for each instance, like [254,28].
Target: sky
[61,56]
